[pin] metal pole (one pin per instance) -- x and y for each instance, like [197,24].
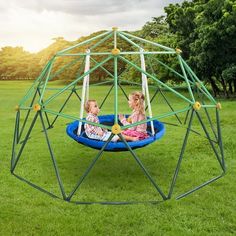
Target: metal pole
[84,42]
[46,80]
[77,95]
[199,81]
[185,77]
[89,168]
[61,108]
[143,167]
[15,138]
[147,41]
[209,139]
[76,80]
[106,96]
[172,109]
[123,91]
[108,72]
[29,92]
[180,156]
[26,118]
[198,187]
[45,113]
[220,139]
[154,78]
[116,90]
[24,142]
[53,158]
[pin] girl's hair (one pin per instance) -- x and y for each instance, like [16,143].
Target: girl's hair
[139,99]
[87,105]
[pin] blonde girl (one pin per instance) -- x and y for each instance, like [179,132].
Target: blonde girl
[136,103]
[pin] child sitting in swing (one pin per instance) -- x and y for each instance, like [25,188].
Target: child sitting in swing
[96,132]
[136,103]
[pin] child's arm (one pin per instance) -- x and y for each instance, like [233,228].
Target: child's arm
[123,120]
[100,131]
[94,129]
[142,127]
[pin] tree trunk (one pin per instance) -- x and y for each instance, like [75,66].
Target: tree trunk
[226,94]
[214,87]
[234,83]
[230,87]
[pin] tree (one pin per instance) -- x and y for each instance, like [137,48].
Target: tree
[229,75]
[155,28]
[214,48]
[181,23]
[206,32]
[14,63]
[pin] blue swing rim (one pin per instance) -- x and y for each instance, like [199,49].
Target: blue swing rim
[71,131]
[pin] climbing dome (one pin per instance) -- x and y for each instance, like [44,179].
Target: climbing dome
[111,59]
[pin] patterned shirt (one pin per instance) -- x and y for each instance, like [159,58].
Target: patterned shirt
[91,129]
[135,117]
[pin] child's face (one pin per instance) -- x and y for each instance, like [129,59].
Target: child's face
[131,102]
[93,108]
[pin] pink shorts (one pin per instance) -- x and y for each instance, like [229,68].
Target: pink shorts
[134,133]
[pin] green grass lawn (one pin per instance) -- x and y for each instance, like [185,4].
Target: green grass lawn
[25,210]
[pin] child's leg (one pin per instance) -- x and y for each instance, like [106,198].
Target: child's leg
[116,137]
[107,135]
[129,138]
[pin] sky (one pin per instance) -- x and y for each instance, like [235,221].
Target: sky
[33,24]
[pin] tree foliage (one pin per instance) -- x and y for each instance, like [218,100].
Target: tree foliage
[15,63]
[206,31]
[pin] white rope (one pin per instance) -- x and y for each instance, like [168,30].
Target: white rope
[87,67]
[85,89]
[145,89]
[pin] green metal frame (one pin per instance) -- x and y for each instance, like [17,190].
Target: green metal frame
[194,86]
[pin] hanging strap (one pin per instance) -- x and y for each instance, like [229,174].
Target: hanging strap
[85,89]
[145,89]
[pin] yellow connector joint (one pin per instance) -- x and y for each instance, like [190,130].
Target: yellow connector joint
[197,106]
[116,129]
[115,51]
[218,106]
[178,50]
[17,108]
[37,107]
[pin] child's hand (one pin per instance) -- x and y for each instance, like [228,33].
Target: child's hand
[129,119]
[121,117]
[100,133]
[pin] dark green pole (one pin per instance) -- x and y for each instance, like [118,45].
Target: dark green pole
[89,168]
[106,96]
[210,141]
[24,142]
[45,113]
[180,156]
[62,107]
[172,109]
[77,94]
[53,158]
[123,91]
[27,116]
[220,139]
[15,138]
[198,187]
[143,167]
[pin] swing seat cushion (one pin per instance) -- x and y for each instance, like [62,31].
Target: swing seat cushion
[114,146]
